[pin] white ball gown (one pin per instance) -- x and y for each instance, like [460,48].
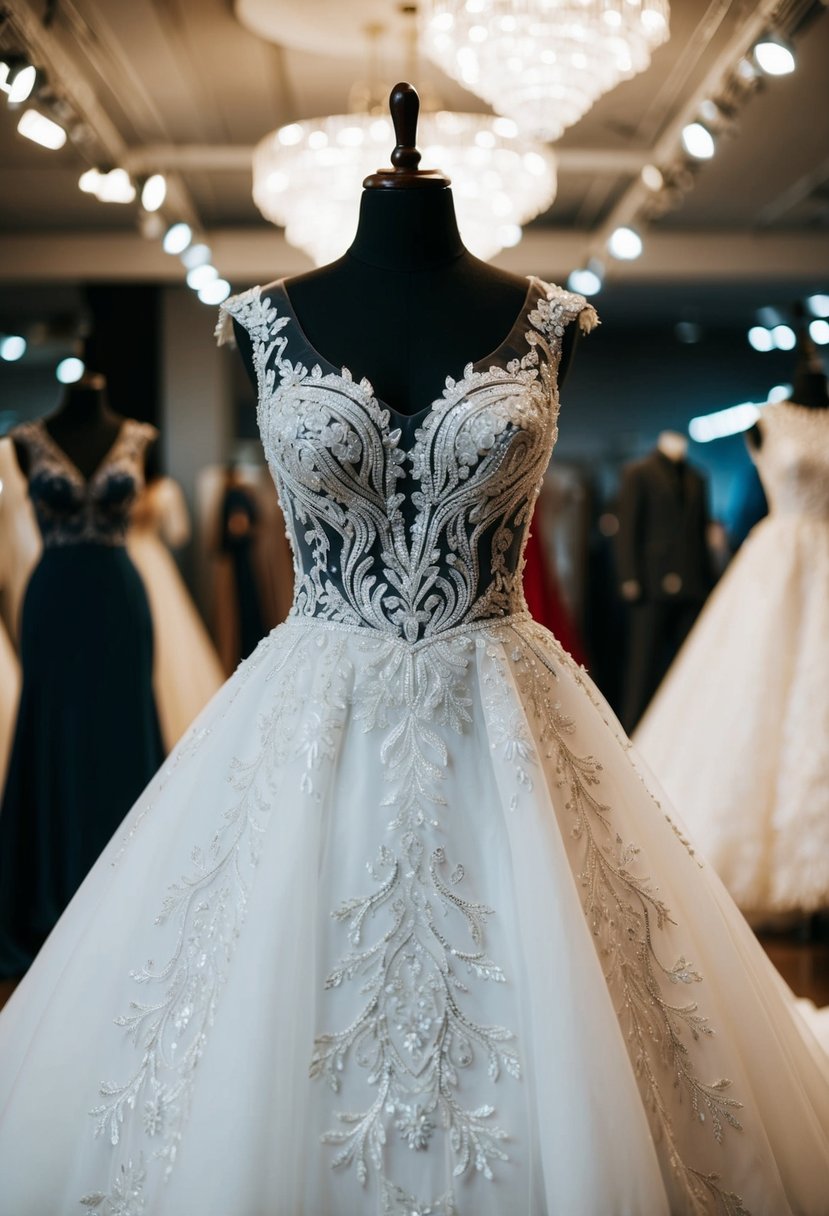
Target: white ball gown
[186,667]
[738,734]
[399,927]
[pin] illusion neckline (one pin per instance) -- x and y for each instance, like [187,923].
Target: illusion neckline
[64,456]
[407,419]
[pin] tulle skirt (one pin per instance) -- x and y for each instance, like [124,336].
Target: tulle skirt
[738,734]
[402,928]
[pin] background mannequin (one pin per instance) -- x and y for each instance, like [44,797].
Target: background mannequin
[664,565]
[408,304]
[87,739]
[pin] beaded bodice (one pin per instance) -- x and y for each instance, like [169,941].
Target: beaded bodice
[793,459]
[410,525]
[72,509]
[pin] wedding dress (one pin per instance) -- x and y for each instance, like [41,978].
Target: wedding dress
[400,927]
[186,667]
[738,733]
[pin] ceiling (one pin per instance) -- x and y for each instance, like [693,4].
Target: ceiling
[185,86]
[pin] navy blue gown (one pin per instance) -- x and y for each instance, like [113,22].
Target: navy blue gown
[87,739]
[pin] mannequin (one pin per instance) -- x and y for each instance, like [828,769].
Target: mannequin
[664,568]
[408,304]
[87,737]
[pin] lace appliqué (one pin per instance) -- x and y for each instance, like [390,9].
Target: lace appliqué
[410,543]
[624,913]
[412,1036]
[170,1030]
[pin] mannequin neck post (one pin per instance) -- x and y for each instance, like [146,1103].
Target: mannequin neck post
[407,230]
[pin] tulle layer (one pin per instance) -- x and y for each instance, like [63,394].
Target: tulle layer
[403,929]
[738,734]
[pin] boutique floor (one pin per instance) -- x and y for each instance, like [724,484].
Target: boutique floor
[802,958]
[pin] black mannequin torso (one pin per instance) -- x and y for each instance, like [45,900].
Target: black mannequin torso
[407,305]
[84,427]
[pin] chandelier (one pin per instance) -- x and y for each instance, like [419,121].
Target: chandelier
[307,176]
[543,63]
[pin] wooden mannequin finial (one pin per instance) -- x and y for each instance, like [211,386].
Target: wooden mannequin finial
[404,105]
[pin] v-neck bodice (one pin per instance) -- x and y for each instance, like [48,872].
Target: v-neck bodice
[411,525]
[73,509]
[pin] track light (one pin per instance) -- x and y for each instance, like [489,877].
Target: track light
[12,347]
[625,244]
[698,141]
[784,337]
[722,423]
[214,292]
[819,332]
[819,305]
[69,371]
[760,339]
[586,281]
[200,276]
[196,255]
[652,178]
[17,79]
[41,130]
[774,56]
[108,186]
[177,238]
[154,192]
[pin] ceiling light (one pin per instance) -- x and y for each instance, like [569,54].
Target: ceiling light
[784,337]
[154,192]
[200,276]
[698,141]
[17,80]
[177,238]
[759,338]
[721,423]
[773,56]
[12,348]
[41,130]
[584,281]
[115,187]
[819,305]
[214,292]
[88,181]
[819,332]
[69,371]
[541,63]
[196,255]
[310,186]
[625,244]
[652,178]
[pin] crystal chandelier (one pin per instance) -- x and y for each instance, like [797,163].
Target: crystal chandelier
[543,63]
[307,176]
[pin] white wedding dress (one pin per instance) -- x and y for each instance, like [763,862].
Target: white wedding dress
[738,733]
[186,667]
[400,927]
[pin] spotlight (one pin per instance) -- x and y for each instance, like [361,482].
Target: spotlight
[154,192]
[759,338]
[780,392]
[17,80]
[625,244]
[200,276]
[698,141]
[819,332]
[12,348]
[69,371]
[177,238]
[652,178]
[214,292]
[115,187]
[774,56]
[41,130]
[783,337]
[819,305]
[196,255]
[584,281]
[89,181]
